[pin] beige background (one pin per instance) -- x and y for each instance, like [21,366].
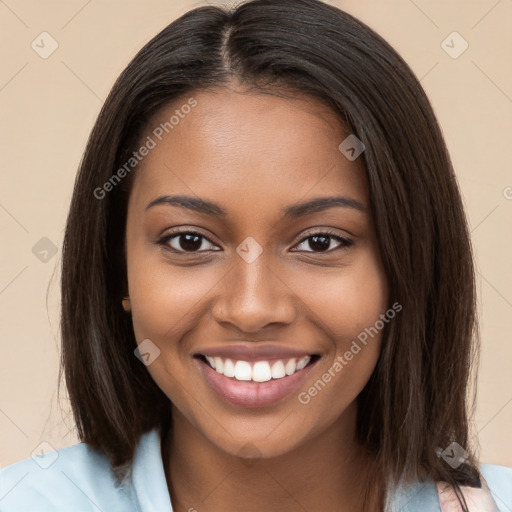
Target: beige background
[48,107]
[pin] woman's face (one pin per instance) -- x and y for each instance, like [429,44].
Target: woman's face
[264,280]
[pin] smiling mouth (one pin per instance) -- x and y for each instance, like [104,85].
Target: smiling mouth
[257,371]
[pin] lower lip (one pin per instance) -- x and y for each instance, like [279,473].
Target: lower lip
[249,393]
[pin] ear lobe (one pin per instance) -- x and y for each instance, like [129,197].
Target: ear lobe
[126,304]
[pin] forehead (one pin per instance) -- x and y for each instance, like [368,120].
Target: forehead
[247,148]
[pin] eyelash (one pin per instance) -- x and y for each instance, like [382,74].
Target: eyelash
[346,243]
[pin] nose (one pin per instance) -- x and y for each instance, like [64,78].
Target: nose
[253,296]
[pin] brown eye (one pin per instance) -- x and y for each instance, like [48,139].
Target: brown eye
[321,242]
[185,241]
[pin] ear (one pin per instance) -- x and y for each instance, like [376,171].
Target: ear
[126,304]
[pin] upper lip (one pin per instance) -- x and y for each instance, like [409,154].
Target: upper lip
[252,353]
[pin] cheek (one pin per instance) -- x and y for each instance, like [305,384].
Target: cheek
[348,300]
[348,307]
[165,307]
[166,299]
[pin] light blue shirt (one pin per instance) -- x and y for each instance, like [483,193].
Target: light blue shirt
[78,479]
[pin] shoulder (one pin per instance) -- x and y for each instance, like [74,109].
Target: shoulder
[499,481]
[425,497]
[73,478]
[417,496]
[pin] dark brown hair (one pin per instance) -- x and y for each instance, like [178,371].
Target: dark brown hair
[418,398]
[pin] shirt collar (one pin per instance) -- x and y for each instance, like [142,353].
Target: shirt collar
[148,477]
[150,485]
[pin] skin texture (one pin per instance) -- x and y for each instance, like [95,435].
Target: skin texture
[255,154]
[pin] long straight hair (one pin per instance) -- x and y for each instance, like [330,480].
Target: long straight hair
[417,401]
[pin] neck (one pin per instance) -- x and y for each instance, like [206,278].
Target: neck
[326,473]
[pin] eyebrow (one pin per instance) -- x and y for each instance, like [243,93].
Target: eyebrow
[291,212]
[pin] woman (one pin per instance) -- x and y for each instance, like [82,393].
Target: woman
[268,296]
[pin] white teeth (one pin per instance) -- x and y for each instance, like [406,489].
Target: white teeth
[278,370]
[242,370]
[290,367]
[219,364]
[303,362]
[260,371]
[229,368]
